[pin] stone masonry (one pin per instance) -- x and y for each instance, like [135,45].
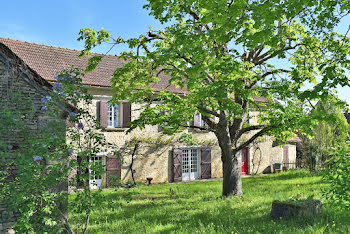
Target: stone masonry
[17,79]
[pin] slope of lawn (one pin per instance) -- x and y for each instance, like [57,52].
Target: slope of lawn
[199,208]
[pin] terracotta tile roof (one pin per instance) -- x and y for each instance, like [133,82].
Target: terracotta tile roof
[49,61]
[44,86]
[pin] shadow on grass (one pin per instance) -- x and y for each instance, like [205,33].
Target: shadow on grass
[291,174]
[177,215]
[199,208]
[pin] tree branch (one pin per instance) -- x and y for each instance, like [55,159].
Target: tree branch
[267,74]
[196,18]
[132,162]
[153,36]
[230,3]
[188,60]
[261,59]
[253,138]
[87,217]
[247,129]
[66,222]
[195,127]
[204,109]
[212,125]
[161,70]
[237,122]
[194,15]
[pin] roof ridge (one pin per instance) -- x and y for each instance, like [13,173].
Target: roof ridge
[48,61]
[56,47]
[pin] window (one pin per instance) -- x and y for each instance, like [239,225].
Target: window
[113,115]
[96,179]
[197,120]
[96,161]
[190,163]
[200,120]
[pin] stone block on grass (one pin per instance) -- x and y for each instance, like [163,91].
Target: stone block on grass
[300,208]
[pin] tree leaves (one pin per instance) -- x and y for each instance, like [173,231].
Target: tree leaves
[230,58]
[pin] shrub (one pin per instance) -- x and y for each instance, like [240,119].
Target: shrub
[337,175]
[35,176]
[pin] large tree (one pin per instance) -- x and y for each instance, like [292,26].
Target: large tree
[232,57]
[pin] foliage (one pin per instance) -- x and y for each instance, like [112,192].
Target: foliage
[232,57]
[188,139]
[331,129]
[26,190]
[337,175]
[39,165]
[199,208]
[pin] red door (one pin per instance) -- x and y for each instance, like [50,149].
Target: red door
[245,161]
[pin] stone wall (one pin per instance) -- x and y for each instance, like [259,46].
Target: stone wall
[19,81]
[154,160]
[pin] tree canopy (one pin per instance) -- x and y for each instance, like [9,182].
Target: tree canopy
[231,58]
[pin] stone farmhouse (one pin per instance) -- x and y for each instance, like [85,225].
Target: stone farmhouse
[162,158]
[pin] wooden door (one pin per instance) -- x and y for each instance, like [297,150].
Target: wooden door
[177,165]
[285,157]
[205,163]
[245,161]
[114,170]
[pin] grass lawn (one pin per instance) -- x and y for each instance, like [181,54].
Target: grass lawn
[198,208]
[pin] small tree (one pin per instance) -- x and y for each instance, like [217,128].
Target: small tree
[332,129]
[34,177]
[337,175]
[232,57]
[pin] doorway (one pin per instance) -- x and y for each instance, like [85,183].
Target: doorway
[95,180]
[190,164]
[245,161]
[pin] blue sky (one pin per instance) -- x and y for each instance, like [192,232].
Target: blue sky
[57,23]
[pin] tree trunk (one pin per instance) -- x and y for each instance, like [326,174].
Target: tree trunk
[232,184]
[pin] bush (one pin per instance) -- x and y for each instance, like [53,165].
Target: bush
[34,177]
[337,175]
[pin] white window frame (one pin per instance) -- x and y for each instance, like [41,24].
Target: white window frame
[191,175]
[119,115]
[200,120]
[94,181]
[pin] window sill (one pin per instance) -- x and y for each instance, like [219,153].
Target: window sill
[118,129]
[196,130]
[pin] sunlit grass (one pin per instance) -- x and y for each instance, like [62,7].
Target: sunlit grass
[199,208]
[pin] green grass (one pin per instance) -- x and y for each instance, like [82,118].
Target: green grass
[199,208]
